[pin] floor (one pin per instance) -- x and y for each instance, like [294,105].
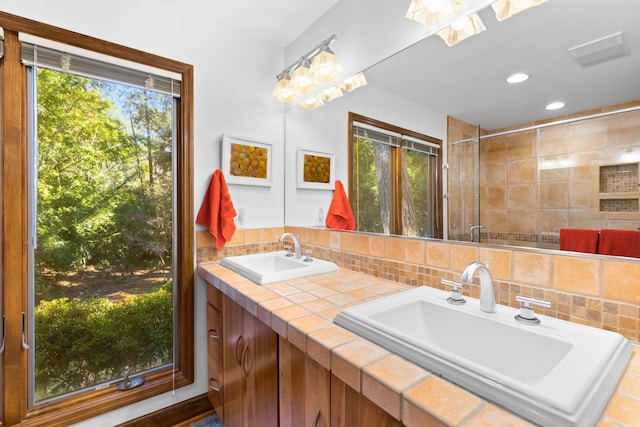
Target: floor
[210,421]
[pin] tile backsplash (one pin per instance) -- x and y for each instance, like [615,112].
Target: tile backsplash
[583,288]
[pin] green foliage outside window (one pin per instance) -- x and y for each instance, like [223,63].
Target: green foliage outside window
[80,344]
[104,226]
[373,199]
[366,201]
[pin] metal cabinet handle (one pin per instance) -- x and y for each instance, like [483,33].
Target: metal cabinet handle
[214,334]
[214,385]
[240,339]
[316,419]
[2,345]
[244,360]
[24,327]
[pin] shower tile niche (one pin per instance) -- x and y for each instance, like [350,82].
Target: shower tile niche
[619,188]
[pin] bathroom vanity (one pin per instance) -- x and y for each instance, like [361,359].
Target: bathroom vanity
[313,372]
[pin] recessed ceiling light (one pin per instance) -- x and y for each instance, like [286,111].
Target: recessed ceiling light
[555,105]
[518,78]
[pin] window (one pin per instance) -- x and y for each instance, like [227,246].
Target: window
[395,181]
[107,186]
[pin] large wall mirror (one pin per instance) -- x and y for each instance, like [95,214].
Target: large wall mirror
[543,170]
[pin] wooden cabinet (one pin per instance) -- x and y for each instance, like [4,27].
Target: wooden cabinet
[242,364]
[350,408]
[257,378]
[214,349]
[305,389]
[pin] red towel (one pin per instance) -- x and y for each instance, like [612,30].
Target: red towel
[573,239]
[217,212]
[340,215]
[620,243]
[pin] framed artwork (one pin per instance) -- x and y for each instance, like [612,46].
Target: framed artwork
[315,170]
[245,161]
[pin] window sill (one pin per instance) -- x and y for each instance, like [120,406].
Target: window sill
[93,403]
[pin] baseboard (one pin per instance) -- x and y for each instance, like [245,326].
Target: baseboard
[178,415]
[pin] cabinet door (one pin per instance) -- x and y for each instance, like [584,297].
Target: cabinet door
[250,369]
[350,408]
[235,384]
[260,367]
[305,389]
[214,359]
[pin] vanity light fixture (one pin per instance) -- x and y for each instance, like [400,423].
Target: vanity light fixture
[301,79]
[331,93]
[556,105]
[466,22]
[312,103]
[505,9]
[325,66]
[461,29]
[308,76]
[353,82]
[518,78]
[432,12]
[284,91]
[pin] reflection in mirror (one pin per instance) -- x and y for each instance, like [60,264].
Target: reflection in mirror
[529,186]
[519,188]
[394,179]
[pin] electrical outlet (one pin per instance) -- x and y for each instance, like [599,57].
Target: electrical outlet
[240,217]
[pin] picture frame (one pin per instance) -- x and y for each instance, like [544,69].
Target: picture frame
[245,161]
[315,170]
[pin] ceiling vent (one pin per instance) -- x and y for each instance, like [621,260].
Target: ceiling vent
[600,50]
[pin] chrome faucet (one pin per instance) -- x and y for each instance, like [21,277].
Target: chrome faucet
[487,297]
[296,244]
[472,228]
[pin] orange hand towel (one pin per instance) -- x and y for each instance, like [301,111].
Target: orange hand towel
[574,239]
[340,215]
[217,211]
[620,243]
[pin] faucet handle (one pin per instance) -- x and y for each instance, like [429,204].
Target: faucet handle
[455,297]
[527,314]
[287,248]
[307,255]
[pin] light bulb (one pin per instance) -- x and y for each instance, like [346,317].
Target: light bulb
[302,79]
[435,6]
[460,24]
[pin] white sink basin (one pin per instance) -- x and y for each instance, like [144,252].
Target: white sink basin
[556,373]
[272,267]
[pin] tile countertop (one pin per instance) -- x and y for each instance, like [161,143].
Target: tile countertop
[302,310]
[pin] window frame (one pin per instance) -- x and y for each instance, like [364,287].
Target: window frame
[396,209]
[14,229]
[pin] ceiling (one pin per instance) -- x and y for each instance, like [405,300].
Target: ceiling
[467,81]
[276,21]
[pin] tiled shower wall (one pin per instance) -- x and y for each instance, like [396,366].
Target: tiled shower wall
[603,292]
[535,182]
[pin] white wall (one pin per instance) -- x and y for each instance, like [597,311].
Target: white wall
[325,129]
[234,76]
[368,31]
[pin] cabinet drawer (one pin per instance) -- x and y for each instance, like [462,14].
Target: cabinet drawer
[214,358]
[214,297]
